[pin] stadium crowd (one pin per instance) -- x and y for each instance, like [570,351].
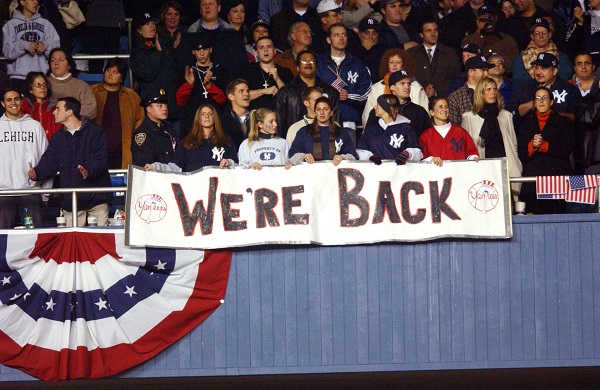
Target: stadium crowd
[280,82]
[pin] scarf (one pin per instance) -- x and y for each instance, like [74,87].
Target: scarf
[530,54]
[490,131]
[386,84]
[543,118]
[318,145]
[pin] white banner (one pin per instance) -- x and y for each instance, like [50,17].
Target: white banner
[353,203]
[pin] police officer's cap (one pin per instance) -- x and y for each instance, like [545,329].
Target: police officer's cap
[158,96]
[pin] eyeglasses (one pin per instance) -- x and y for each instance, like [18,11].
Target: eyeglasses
[42,85]
[542,98]
[540,33]
[207,114]
[305,61]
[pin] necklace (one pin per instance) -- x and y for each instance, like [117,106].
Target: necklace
[266,79]
[201,74]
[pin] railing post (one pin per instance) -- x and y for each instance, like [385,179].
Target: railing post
[74,210]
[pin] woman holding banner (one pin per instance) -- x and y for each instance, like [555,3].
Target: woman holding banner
[205,145]
[323,139]
[445,141]
[491,128]
[263,146]
[375,144]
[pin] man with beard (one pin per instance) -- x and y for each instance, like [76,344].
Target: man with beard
[461,22]
[265,78]
[490,40]
[289,107]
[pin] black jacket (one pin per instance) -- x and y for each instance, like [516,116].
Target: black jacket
[152,143]
[66,151]
[233,128]
[558,132]
[154,70]
[289,106]
[587,114]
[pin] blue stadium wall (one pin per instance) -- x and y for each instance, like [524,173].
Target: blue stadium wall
[532,301]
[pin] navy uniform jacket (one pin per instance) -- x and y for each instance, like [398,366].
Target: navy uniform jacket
[153,143]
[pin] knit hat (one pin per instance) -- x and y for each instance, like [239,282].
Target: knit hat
[384,102]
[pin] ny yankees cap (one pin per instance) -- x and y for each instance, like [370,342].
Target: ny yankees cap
[540,22]
[142,19]
[399,75]
[471,48]
[477,62]
[368,23]
[546,60]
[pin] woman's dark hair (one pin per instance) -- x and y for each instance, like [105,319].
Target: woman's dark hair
[334,128]
[121,66]
[72,104]
[29,81]
[553,107]
[72,65]
[165,8]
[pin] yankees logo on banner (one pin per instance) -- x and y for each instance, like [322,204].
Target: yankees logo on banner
[76,304]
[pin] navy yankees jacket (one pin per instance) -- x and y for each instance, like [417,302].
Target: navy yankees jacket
[356,79]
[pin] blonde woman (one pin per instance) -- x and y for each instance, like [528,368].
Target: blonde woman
[491,127]
[263,145]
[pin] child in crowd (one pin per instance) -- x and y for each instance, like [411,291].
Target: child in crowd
[445,141]
[263,146]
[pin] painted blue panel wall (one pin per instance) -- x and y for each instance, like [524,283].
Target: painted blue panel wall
[532,301]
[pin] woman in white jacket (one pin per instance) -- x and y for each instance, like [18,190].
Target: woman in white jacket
[491,128]
[392,61]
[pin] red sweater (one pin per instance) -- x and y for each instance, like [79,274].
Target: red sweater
[43,114]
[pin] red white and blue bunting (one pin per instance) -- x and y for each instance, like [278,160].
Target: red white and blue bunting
[81,304]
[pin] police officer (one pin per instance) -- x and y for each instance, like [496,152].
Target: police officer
[155,139]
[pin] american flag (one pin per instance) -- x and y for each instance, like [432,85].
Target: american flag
[338,83]
[77,304]
[551,187]
[582,189]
